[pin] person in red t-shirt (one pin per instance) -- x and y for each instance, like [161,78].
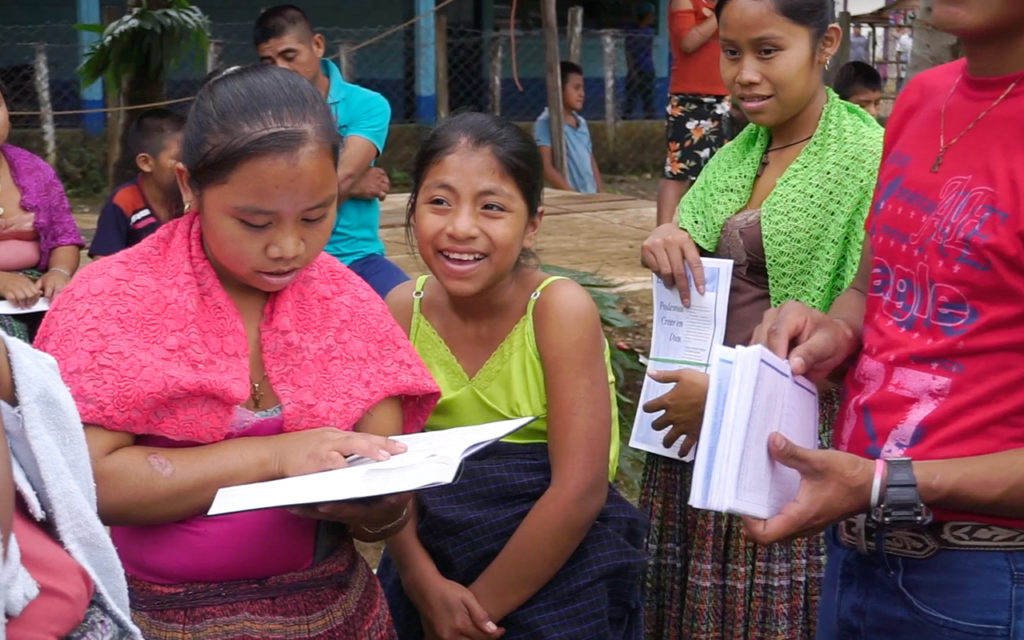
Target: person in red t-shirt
[930,547]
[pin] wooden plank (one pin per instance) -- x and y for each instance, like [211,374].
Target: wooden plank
[603,207]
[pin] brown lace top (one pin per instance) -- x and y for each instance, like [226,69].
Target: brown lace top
[748,295]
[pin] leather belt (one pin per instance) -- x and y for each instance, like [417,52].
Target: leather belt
[861,533]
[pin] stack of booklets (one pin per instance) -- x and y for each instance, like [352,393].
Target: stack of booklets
[751,393]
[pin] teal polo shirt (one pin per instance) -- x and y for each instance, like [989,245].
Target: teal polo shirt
[364,113]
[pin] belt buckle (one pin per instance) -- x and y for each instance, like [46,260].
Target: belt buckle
[853,533]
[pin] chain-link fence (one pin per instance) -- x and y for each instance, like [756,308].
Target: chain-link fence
[473,71]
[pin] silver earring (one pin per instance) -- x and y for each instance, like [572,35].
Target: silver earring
[828,63]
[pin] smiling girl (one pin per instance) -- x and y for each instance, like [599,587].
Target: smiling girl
[532,537]
[229,349]
[786,201]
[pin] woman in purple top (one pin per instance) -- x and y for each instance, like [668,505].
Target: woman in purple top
[39,241]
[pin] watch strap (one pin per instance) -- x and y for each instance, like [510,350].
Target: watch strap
[901,503]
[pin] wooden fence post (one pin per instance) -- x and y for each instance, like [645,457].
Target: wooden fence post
[611,112]
[549,23]
[346,62]
[42,78]
[574,34]
[441,63]
[497,44]
[213,55]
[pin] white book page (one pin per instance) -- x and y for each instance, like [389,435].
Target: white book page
[681,338]
[738,406]
[799,423]
[8,309]
[707,458]
[433,458]
[779,402]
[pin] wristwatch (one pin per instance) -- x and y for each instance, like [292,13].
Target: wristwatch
[901,504]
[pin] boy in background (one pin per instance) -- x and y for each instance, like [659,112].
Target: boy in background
[138,207]
[584,175]
[859,83]
[283,36]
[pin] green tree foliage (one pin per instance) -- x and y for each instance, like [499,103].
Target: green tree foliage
[134,55]
[138,49]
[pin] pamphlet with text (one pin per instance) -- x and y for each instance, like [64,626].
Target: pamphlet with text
[681,338]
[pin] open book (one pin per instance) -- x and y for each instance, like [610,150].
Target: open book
[7,308]
[433,458]
[681,338]
[752,393]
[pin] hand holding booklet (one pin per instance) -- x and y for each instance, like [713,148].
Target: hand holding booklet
[681,338]
[433,458]
[752,392]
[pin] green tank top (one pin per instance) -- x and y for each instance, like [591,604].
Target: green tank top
[510,384]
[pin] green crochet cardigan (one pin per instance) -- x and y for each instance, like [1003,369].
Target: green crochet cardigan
[812,222]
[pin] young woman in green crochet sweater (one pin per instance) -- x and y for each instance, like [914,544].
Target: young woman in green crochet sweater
[786,201]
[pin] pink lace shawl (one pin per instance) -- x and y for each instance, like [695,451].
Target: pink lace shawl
[149,342]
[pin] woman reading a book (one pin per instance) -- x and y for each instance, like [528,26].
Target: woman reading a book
[786,201]
[229,349]
[924,497]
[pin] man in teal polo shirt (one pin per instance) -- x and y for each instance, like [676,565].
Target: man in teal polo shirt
[283,36]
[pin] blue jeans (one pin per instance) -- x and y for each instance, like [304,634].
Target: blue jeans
[953,595]
[379,272]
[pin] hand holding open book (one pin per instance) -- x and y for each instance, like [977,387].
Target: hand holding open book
[433,458]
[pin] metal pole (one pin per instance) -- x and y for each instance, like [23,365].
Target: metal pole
[426,64]
[92,96]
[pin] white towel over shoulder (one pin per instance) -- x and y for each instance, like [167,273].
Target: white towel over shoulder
[52,473]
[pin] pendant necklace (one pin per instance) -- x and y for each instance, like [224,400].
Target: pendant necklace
[256,391]
[764,156]
[943,145]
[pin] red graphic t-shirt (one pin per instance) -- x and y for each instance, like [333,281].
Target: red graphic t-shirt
[943,361]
